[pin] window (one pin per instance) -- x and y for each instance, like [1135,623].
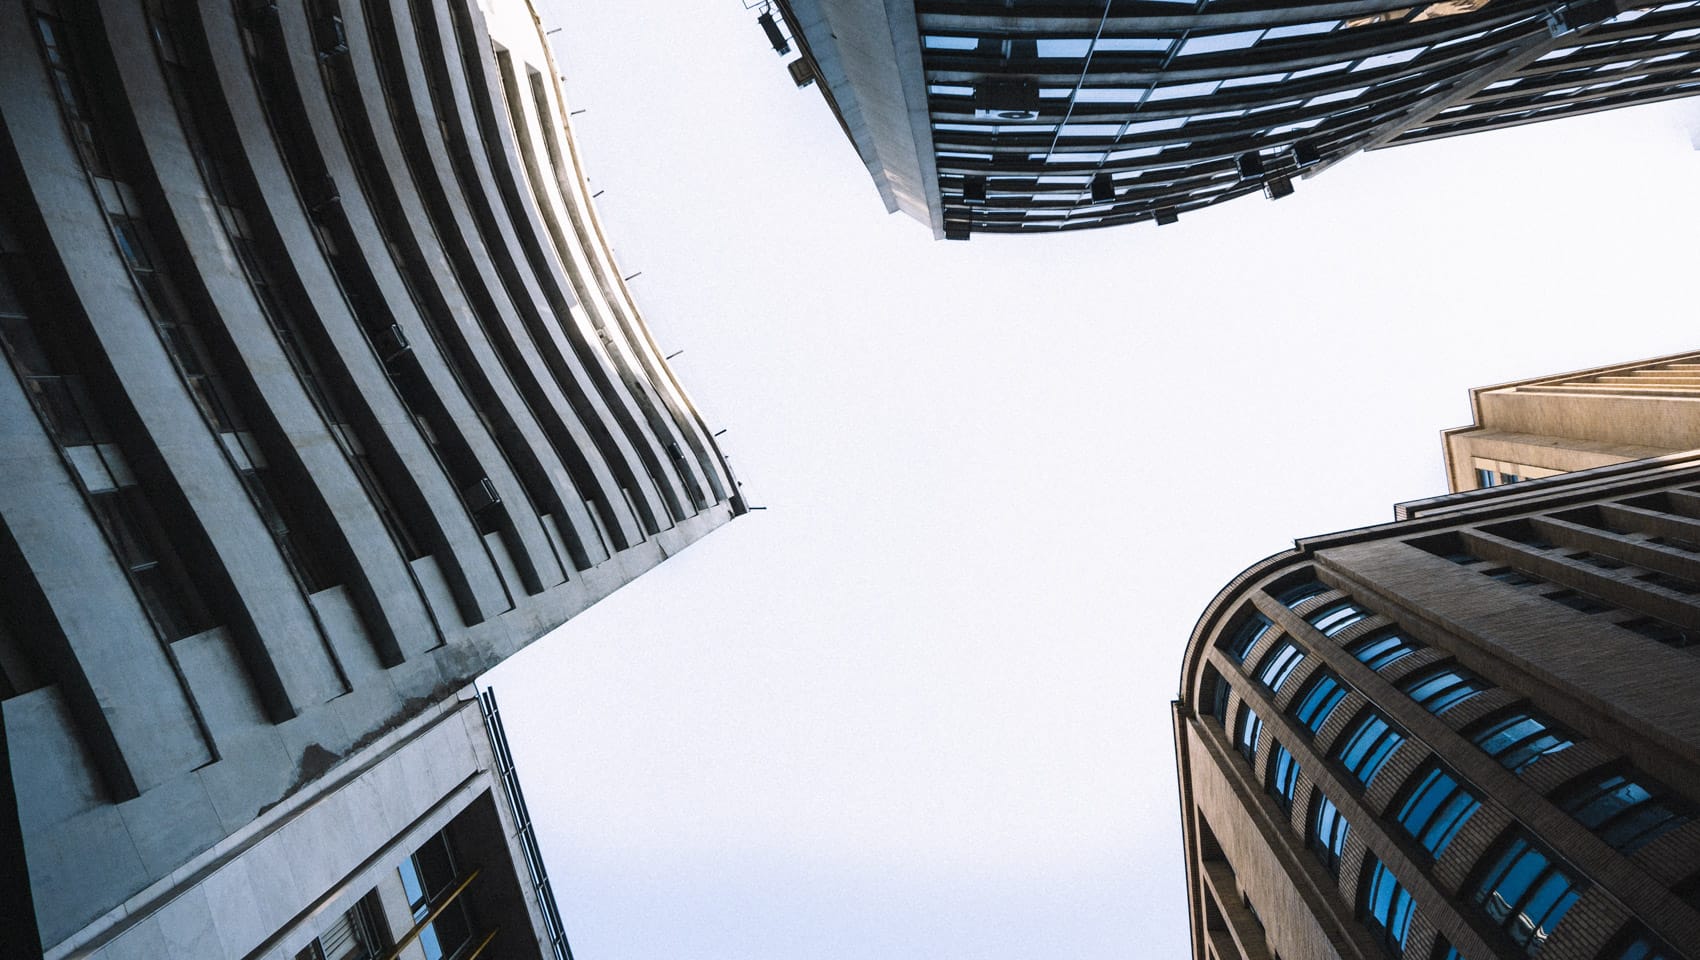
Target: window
[1443,687]
[433,885]
[356,935]
[1436,810]
[951,43]
[1446,951]
[1525,894]
[1280,663]
[1366,750]
[1626,811]
[1219,699]
[1518,739]
[1328,829]
[1336,618]
[1380,649]
[1246,739]
[1386,908]
[1246,637]
[1643,946]
[1299,593]
[1324,694]
[1283,776]
[1485,478]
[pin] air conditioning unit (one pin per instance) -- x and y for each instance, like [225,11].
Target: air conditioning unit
[1008,100]
[801,75]
[481,495]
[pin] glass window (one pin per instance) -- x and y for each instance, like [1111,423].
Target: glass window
[1643,946]
[1389,59]
[1218,42]
[1245,740]
[1328,829]
[1518,739]
[1446,951]
[1626,810]
[1283,776]
[1073,47]
[1142,44]
[1380,649]
[1336,618]
[1246,637]
[1182,91]
[1298,593]
[1525,894]
[1436,810]
[1386,907]
[431,881]
[1324,694]
[1366,749]
[1219,700]
[1301,29]
[1280,663]
[1443,687]
[952,43]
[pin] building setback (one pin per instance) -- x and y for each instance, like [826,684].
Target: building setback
[1549,425]
[322,395]
[1034,116]
[1471,733]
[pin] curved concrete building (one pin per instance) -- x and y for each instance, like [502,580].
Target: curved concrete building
[1469,734]
[1033,116]
[322,395]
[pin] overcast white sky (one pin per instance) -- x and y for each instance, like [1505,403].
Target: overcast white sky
[919,707]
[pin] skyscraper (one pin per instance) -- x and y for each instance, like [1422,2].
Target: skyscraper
[322,395]
[1471,733]
[1572,421]
[1033,116]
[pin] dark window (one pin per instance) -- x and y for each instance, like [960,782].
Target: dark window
[1283,776]
[1484,478]
[1299,593]
[1638,944]
[1336,618]
[1382,648]
[1328,829]
[1219,700]
[1525,894]
[1518,739]
[356,935]
[1443,687]
[1280,663]
[1668,634]
[1446,951]
[1582,602]
[1436,809]
[1246,637]
[1628,811]
[1319,700]
[1365,750]
[433,885]
[1386,908]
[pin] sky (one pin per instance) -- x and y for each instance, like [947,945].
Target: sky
[919,707]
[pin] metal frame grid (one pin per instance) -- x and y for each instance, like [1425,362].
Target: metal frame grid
[1052,115]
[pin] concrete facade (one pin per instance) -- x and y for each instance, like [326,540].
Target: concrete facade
[1574,421]
[1030,116]
[1343,681]
[322,396]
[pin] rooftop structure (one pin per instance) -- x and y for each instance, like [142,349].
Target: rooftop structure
[321,395]
[1034,116]
[1467,734]
[1573,421]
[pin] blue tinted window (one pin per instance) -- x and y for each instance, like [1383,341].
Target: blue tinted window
[1626,812]
[1324,694]
[1380,649]
[1443,687]
[1250,726]
[951,43]
[1485,478]
[1643,946]
[1525,893]
[1332,620]
[1279,665]
[1246,637]
[1436,810]
[1328,829]
[1518,739]
[1367,748]
[1386,908]
[1283,776]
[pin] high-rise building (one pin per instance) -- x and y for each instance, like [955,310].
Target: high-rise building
[322,395]
[1573,421]
[1471,733]
[1033,116]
